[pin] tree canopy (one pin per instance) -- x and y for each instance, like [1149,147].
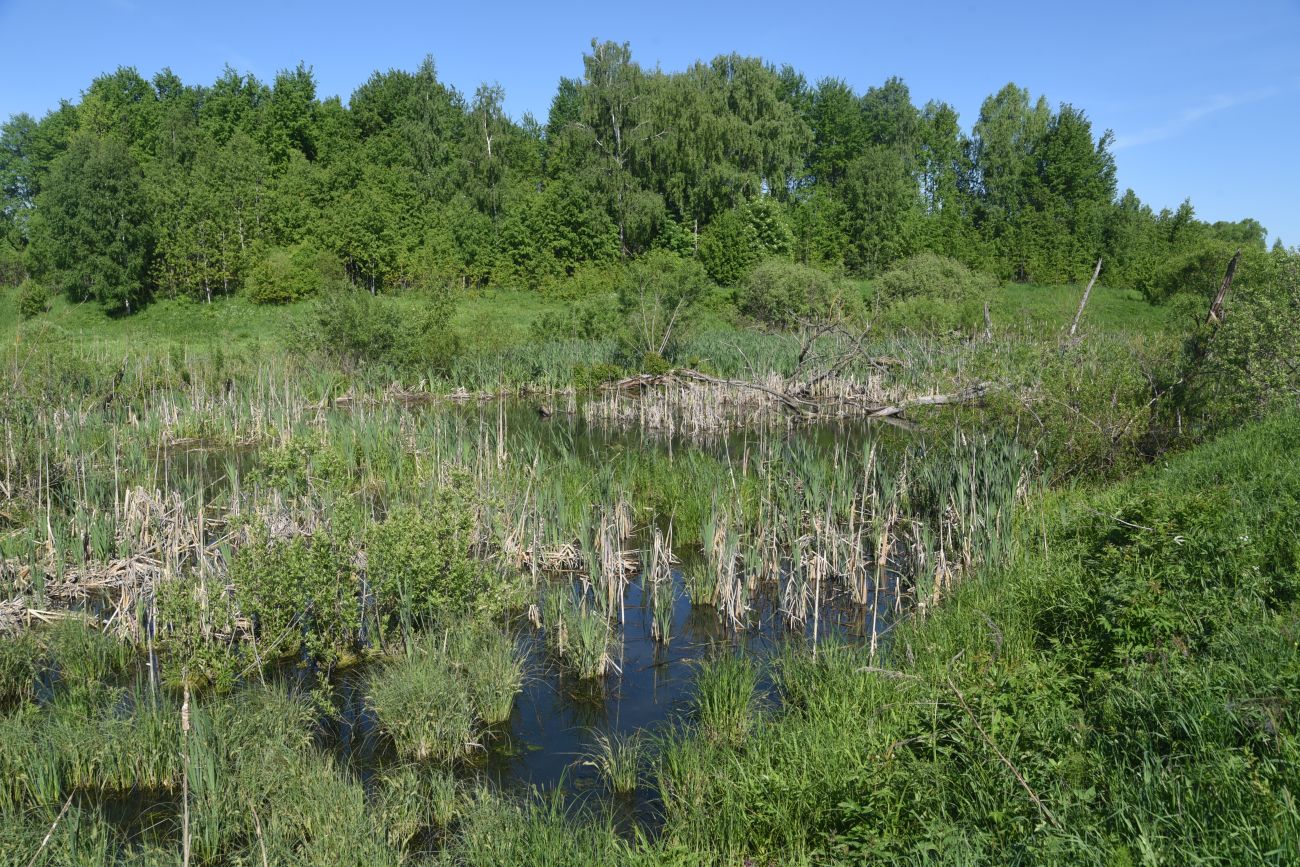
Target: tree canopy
[155,187]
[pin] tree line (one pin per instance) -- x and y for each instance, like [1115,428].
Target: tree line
[155,188]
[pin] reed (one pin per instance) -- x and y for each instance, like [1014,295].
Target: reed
[659,586]
[587,650]
[412,801]
[20,663]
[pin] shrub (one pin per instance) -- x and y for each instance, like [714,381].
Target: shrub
[419,560]
[589,376]
[590,318]
[288,274]
[302,594]
[780,293]
[657,299]
[359,328]
[1249,367]
[33,299]
[12,269]
[1199,271]
[933,293]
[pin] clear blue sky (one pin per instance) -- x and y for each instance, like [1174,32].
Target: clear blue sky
[1204,98]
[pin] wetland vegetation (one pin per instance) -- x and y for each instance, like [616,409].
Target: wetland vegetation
[714,527]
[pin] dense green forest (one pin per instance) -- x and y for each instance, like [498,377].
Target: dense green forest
[156,188]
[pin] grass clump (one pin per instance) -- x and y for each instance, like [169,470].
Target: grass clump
[498,832]
[425,708]
[587,648]
[493,668]
[618,757]
[435,701]
[726,689]
[20,662]
[412,801]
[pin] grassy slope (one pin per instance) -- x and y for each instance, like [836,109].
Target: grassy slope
[1137,664]
[489,319]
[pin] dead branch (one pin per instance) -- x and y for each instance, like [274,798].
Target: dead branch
[1216,314]
[800,404]
[797,404]
[966,395]
[1083,302]
[1033,796]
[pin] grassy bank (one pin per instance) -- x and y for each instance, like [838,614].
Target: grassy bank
[1126,692]
[496,318]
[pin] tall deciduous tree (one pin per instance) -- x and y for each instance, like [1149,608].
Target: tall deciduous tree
[92,234]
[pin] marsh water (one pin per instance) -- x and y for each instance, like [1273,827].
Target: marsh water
[558,717]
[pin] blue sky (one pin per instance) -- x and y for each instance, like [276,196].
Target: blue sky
[1204,98]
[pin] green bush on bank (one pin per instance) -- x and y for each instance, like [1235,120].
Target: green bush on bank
[357,328]
[287,274]
[33,299]
[933,293]
[781,294]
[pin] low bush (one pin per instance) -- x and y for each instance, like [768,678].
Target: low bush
[1247,365]
[933,293]
[13,270]
[657,299]
[286,274]
[781,294]
[419,560]
[409,334]
[33,299]
[1199,270]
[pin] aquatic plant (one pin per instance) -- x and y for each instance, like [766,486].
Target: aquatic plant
[424,707]
[618,759]
[726,690]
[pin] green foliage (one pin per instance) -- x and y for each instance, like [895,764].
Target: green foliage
[436,701]
[590,311]
[425,708]
[1246,366]
[725,695]
[1134,667]
[1198,271]
[151,189]
[285,275]
[419,560]
[729,246]
[782,294]
[882,211]
[13,270]
[618,758]
[19,665]
[657,298]
[92,236]
[933,293]
[359,328]
[33,299]
[303,594]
